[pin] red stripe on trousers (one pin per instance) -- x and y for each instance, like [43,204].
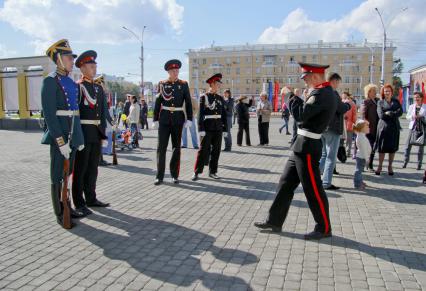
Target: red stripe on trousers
[317,195]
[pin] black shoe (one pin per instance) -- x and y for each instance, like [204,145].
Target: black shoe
[75,213]
[287,133]
[183,147]
[261,144]
[316,235]
[175,180]
[332,187]
[194,177]
[335,172]
[404,165]
[266,225]
[226,150]
[196,148]
[280,130]
[98,203]
[84,210]
[104,163]
[419,167]
[240,145]
[158,182]
[214,176]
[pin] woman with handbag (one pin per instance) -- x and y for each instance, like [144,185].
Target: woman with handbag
[416,116]
[387,141]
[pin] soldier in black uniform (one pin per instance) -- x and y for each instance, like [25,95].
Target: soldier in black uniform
[93,111]
[169,117]
[313,117]
[212,124]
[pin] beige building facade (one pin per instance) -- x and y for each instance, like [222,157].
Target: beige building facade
[247,68]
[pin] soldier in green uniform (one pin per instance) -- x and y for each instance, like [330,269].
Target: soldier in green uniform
[93,112]
[60,98]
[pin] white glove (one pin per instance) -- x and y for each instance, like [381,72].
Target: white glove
[104,143]
[202,133]
[155,125]
[65,151]
[225,134]
[188,123]
[80,148]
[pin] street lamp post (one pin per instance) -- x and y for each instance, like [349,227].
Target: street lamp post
[372,61]
[140,39]
[382,76]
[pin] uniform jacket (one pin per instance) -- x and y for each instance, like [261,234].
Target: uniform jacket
[176,95]
[53,98]
[313,115]
[212,104]
[93,133]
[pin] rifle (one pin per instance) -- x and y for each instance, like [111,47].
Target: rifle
[66,219]
[114,154]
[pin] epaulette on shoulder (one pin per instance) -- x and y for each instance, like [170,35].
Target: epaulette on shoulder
[182,81]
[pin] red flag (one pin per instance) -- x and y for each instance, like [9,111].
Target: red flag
[423,91]
[276,93]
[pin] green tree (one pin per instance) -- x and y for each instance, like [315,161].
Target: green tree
[397,69]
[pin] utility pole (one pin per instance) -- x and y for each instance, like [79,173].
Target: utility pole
[140,39]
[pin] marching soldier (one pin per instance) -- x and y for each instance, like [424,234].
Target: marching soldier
[303,165]
[60,98]
[212,124]
[169,117]
[93,110]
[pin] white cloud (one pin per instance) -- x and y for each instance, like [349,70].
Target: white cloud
[407,30]
[96,21]
[5,52]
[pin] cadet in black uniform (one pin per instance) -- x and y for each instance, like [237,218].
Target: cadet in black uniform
[59,99]
[169,117]
[212,124]
[93,110]
[303,165]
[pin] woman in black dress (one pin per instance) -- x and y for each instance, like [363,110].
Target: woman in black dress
[387,140]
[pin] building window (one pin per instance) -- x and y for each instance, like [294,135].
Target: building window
[347,80]
[228,70]
[257,59]
[248,81]
[228,60]
[282,70]
[304,59]
[194,61]
[203,72]
[257,91]
[292,60]
[237,81]
[248,60]
[282,59]
[237,71]
[204,61]
[314,58]
[257,70]
[238,60]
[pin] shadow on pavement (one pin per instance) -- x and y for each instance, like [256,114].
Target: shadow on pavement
[400,196]
[409,259]
[248,170]
[161,250]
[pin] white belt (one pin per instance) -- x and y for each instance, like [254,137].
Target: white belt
[67,112]
[308,134]
[92,122]
[172,108]
[217,116]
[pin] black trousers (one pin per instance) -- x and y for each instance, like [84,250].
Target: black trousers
[210,147]
[164,133]
[144,122]
[301,168]
[241,128]
[263,128]
[85,174]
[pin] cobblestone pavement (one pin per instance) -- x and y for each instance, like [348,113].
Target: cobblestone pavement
[200,235]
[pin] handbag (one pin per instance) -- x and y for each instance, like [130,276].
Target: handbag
[417,134]
[341,152]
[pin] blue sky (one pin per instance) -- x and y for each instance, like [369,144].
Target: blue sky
[174,28]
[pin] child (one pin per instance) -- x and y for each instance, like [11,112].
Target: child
[363,146]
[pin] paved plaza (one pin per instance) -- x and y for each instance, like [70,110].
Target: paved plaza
[200,235]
